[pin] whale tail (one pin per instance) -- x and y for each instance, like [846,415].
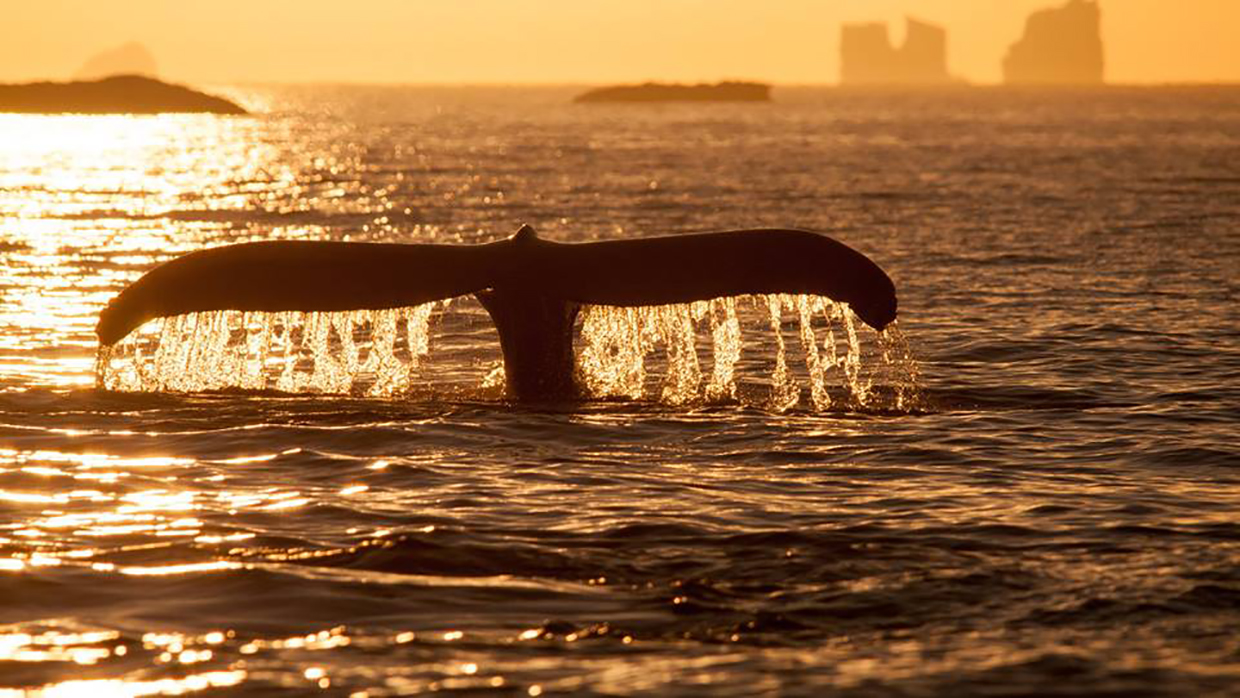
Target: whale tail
[531,287]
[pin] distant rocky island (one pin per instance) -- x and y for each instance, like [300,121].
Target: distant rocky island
[127,59]
[868,58]
[119,94]
[664,92]
[1060,46]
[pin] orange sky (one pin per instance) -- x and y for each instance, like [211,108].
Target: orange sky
[578,41]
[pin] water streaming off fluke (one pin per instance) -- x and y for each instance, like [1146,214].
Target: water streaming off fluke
[775,351]
[369,352]
[744,349]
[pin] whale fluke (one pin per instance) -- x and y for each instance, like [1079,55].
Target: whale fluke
[531,287]
[299,275]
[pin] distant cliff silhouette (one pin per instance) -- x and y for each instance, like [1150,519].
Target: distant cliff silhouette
[662,92]
[129,59]
[120,94]
[1061,46]
[868,58]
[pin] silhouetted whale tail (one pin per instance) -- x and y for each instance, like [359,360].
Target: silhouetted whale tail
[531,287]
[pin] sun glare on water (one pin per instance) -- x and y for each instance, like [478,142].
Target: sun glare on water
[84,202]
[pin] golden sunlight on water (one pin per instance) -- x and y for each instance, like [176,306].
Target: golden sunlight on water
[117,688]
[77,506]
[1060,503]
[134,165]
[67,644]
[81,506]
[83,196]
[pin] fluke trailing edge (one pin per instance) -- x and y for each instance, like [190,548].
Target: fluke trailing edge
[531,287]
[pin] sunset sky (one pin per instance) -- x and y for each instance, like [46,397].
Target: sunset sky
[579,41]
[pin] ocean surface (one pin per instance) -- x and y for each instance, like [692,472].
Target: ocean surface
[1029,487]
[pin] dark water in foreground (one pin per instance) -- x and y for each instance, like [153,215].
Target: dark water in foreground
[1059,516]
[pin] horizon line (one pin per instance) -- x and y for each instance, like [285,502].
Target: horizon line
[954,84]
[951,84]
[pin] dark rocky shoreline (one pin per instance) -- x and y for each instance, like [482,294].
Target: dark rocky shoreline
[119,94]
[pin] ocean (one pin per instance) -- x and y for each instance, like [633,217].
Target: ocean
[1029,486]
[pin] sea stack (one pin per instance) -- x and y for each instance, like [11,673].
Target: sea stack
[1060,46]
[128,59]
[868,58]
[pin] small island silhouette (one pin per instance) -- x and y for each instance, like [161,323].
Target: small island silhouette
[119,94]
[728,91]
[1060,46]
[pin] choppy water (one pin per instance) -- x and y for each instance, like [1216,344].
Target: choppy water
[1058,515]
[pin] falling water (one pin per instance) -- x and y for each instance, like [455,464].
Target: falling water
[679,354]
[359,352]
[617,344]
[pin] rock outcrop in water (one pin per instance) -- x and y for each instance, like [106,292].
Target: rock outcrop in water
[662,92]
[120,94]
[130,59]
[868,58]
[1060,46]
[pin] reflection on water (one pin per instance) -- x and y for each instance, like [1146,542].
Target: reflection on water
[82,198]
[1055,510]
[58,647]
